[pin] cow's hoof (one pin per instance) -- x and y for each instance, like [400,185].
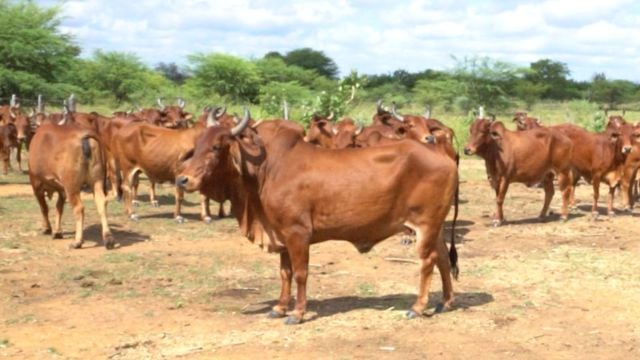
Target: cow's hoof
[611,214]
[292,320]
[440,308]
[275,315]
[594,216]
[564,218]
[57,235]
[46,232]
[406,241]
[627,210]
[109,244]
[155,203]
[411,314]
[134,217]
[207,219]
[180,220]
[497,222]
[135,203]
[74,246]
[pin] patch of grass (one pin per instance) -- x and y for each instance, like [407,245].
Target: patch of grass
[4,343]
[128,294]
[366,289]
[53,351]
[24,319]
[118,257]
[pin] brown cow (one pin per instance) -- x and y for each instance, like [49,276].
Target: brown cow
[63,159]
[8,139]
[525,122]
[596,157]
[320,131]
[172,116]
[301,195]
[13,114]
[528,157]
[156,151]
[630,147]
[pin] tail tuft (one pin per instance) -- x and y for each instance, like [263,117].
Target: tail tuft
[86,148]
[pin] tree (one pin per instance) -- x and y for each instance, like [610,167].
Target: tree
[554,76]
[172,72]
[611,92]
[310,59]
[114,73]
[225,75]
[275,69]
[34,55]
[486,82]
[445,92]
[529,92]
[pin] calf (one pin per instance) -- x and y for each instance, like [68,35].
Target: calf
[64,159]
[8,139]
[528,157]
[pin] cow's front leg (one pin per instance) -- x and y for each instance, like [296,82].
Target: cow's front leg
[427,243]
[501,192]
[298,248]
[179,196]
[548,194]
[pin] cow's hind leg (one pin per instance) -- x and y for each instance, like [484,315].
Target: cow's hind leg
[444,267]
[19,156]
[548,194]
[596,194]
[152,194]
[205,212]
[286,275]
[427,245]
[57,233]
[44,209]
[566,184]
[78,212]
[101,205]
[221,212]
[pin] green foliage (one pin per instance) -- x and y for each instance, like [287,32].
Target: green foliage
[118,75]
[553,76]
[275,69]
[310,59]
[586,114]
[224,75]
[35,55]
[273,94]
[529,92]
[389,92]
[486,82]
[612,92]
[445,92]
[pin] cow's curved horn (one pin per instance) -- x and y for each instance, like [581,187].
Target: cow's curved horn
[211,118]
[286,110]
[330,117]
[72,103]
[13,101]
[39,106]
[220,111]
[32,113]
[181,103]
[334,131]
[481,112]
[243,123]
[394,113]
[379,106]
[427,112]
[160,104]
[359,130]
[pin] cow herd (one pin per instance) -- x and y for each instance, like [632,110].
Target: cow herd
[291,187]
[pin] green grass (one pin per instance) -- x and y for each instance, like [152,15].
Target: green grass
[366,289]
[4,343]
[23,319]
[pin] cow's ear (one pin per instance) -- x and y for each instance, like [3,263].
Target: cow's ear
[496,130]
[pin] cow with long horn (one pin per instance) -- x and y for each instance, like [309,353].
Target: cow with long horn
[294,203]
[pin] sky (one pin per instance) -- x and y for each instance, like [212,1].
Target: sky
[374,37]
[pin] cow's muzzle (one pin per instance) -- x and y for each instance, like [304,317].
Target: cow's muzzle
[626,149]
[181,181]
[430,139]
[468,151]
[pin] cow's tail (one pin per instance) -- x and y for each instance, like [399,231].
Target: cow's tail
[453,253]
[87,153]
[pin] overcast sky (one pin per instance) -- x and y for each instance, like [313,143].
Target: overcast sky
[370,36]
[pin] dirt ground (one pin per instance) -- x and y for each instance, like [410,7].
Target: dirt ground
[529,289]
